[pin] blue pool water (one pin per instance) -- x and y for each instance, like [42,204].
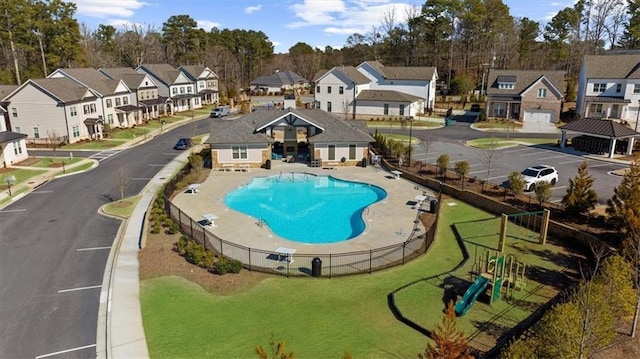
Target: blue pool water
[307,208]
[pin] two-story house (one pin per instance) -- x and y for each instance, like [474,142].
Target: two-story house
[336,91]
[206,82]
[609,87]
[144,91]
[55,109]
[174,85]
[527,96]
[13,145]
[372,89]
[417,81]
[114,96]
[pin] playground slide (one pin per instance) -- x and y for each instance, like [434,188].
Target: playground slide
[471,295]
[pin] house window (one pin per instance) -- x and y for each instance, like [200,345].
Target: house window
[386,109]
[329,106]
[14,112]
[636,88]
[117,101]
[599,87]
[174,91]
[109,104]
[76,131]
[332,152]
[504,86]
[239,152]
[73,111]
[499,109]
[17,129]
[189,89]
[401,110]
[110,118]
[92,108]
[17,149]
[341,90]
[595,109]
[317,89]
[36,132]
[125,100]
[352,152]
[328,89]
[542,93]
[618,88]
[196,101]
[181,90]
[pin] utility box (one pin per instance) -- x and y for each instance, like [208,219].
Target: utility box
[267,164]
[433,206]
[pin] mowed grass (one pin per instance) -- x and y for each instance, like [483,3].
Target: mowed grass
[324,318]
[493,143]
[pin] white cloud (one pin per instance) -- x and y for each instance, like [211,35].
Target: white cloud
[207,25]
[252,9]
[107,8]
[346,16]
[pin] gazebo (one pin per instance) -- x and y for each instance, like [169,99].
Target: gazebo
[602,128]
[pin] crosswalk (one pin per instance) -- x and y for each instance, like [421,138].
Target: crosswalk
[103,155]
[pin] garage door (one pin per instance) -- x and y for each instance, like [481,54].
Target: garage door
[538,116]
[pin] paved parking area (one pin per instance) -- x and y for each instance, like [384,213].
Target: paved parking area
[496,165]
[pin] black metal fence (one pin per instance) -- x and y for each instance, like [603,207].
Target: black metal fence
[331,264]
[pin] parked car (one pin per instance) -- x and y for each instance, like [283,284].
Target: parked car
[540,173]
[182,144]
[475,107]
[220,112]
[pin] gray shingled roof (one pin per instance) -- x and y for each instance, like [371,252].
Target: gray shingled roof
[349,72]
[242,129]
[9,136]
[279,79]
[192,72]
[65,89]
[606,99]
[163,72]
[5,90]
[524,79]
[404,72]
[613,66]
[93,79]
[128,75]
[386,95]
[605,128]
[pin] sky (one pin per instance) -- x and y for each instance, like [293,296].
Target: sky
[318,23]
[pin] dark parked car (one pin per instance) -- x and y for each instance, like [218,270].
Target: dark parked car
[475,107]
[182,144]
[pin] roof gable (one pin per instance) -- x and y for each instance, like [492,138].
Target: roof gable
[60,89]
[547,84]
[603,128]
[164,73]
[524,79]
[612,66]
[93,79]
[348,74]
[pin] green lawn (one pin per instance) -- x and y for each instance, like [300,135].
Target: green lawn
[93,145]
[327,317]
[49,162]
[419,125]
[74,169]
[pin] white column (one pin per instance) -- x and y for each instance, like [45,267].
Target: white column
[612,147]
[632,141]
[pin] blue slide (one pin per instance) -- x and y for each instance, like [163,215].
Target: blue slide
[471,295]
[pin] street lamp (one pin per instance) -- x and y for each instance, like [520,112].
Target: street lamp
[410,145]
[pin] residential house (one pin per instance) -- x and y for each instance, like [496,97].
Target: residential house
[55,109]
[174,85]
[372,89]
[609,87]
[144,91]
[206,83]
[413,80]
[5,90]
[114,103]
[336,91]
[279,81]
[528,96]
[311,136]
[13,145]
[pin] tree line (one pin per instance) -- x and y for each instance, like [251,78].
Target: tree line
[461,38]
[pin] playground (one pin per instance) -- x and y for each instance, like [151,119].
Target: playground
[387,314]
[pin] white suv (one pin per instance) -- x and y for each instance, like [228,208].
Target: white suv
[539,173]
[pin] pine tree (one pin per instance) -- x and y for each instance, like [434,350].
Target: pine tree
[581,197]
[624,206]
[450,343]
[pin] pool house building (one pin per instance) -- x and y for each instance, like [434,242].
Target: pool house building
[309,136]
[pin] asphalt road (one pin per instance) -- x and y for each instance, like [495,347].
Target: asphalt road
[54,247]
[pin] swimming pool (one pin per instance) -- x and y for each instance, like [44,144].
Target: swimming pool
[307,208]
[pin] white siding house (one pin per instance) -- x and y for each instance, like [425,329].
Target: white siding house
[174,85]
[609,87]
[336,91]
[55,109]
[13,147]
[206,82]
[144,91]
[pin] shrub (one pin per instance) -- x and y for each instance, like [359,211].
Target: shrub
[173,228]
[168,222]
[155,229]
[194,253]
[181,244]
[226,265]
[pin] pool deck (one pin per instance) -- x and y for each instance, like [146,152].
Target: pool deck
[388,222]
